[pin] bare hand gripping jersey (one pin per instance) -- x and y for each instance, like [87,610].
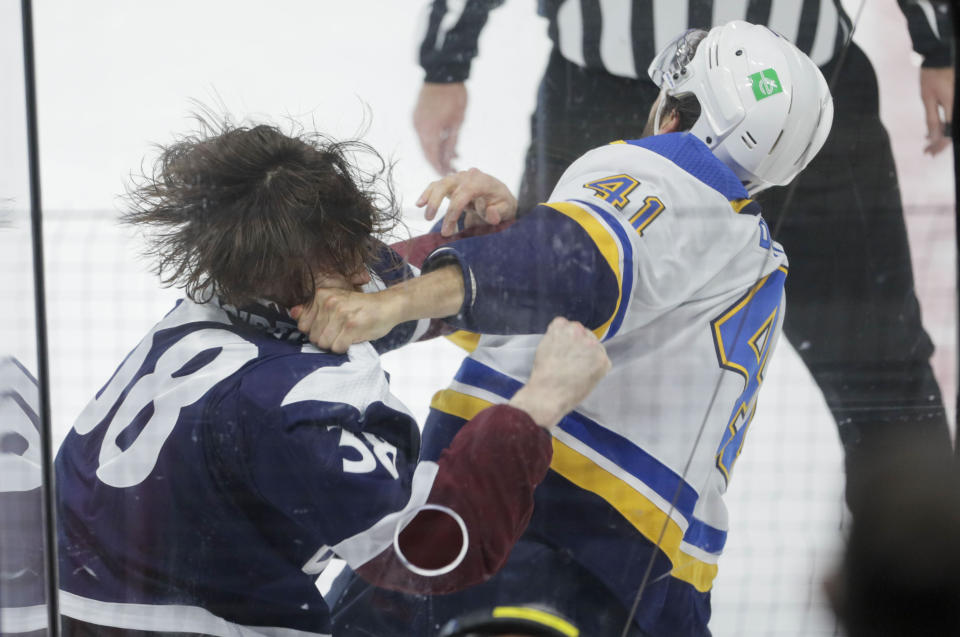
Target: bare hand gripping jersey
[655,246]
[228,460]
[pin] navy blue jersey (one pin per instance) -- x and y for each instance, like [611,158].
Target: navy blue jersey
[220,468]
[228,460]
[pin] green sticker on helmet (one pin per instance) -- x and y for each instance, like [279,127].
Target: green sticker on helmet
[765,84]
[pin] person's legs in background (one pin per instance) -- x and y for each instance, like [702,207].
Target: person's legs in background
[852,312]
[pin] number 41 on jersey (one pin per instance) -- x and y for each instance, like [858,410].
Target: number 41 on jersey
[616,189]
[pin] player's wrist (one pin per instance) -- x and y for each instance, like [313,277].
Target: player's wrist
[540,403]
[397,305]
[436,294]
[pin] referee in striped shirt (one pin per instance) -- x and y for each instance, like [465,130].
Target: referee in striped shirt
[854,317]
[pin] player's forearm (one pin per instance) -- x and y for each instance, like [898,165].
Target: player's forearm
[540,403]
[437,294]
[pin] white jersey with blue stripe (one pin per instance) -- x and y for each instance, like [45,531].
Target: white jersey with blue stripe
[697,313]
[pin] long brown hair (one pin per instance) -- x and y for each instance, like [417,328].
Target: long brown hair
[253,212]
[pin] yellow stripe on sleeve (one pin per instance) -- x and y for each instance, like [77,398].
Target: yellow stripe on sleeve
[464,339]
[605,242]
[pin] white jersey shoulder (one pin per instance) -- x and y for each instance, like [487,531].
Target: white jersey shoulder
[672,224]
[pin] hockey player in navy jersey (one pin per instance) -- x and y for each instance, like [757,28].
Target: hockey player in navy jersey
[227,459]
[657,246]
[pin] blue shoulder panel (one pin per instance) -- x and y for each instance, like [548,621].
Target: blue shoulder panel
[693,156]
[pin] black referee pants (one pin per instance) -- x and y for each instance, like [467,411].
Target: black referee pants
[852,313]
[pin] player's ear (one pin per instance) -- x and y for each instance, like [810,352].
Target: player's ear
[669,122]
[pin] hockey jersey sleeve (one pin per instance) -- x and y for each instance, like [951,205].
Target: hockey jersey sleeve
[416,249]
[487,476]
[344,473]
[414,252]
[678,214]
[450,38]
[931,30]
[544,265]
[631,230]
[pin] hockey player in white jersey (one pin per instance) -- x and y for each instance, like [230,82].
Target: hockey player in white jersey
[227,460]
[656,245]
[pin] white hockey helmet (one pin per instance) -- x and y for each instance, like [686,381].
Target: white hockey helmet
[765,108]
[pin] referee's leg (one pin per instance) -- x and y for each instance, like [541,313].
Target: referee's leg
[852,312]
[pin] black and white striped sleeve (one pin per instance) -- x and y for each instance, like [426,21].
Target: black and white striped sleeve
[450,37]
[931,30]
